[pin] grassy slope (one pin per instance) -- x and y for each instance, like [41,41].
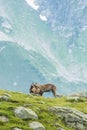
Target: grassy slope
[40,105]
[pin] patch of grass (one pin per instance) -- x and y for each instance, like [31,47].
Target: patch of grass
[38,104]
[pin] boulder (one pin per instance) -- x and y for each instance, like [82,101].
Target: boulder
[25,113]
[4,97]
[71,117]
[82,95]
[4,119]
[36,126]
[72,99]
[6,94]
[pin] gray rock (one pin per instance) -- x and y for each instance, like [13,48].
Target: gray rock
[25,113]
[6,94]
[59,95]
[3,119]
[72,98]
[71,117]
[82,95]
[36,126]
[4,97]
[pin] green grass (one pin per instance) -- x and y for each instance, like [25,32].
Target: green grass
[40,105]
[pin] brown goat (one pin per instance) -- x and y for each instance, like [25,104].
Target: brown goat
[40,89]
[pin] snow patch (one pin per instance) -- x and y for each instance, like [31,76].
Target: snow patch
[32,4]
[43,17]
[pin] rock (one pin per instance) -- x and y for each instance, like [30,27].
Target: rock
[82,95]
[59,95]
[16,128]
[6,94]
[4,98]
[25,113]
[3,119]
[73,99]
[36,126]
[71,117]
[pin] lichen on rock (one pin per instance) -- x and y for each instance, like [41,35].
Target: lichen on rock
[36,126]
[25,113]
[71,117]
